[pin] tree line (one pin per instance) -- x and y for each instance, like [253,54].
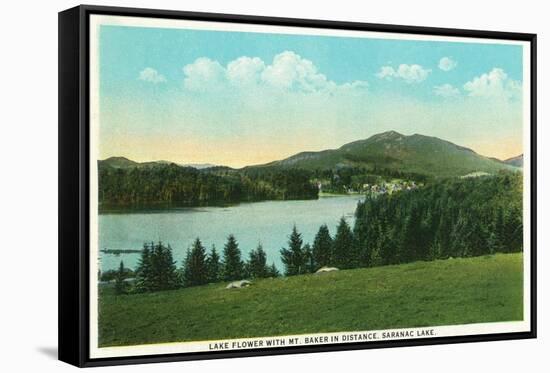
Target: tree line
[170,184]
[157,270]
[450,218]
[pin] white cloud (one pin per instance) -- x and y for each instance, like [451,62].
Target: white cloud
[151,75]
[203,74]
[409,73]
[386,72]
[494,84]
[446,90]
[447,64]
[245,70]
[288,71]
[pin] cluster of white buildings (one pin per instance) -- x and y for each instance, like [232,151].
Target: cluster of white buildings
[389,187]
[377,189]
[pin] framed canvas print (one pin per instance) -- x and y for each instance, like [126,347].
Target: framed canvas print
[234,185]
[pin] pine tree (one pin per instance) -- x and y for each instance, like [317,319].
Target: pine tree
[120,284]
[166,272]
[497,235]
[492,243]
[435,249]
[196,271]
[233,268]
[363,233]
[185,264]
[477,239]
[426,236]
[387,246]
[213,265]
[443,235]
[512,230]
[322,247]
[293,257]
[156,269]
[144,271]
[273,271]
[309,261]
[345,255]
[410,248]
[459,239]
[256,265]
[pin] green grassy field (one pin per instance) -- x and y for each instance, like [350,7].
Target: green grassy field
[444,292]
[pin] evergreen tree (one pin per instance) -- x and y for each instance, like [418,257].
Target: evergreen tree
[181,271]
[459,238]
[213,264]
[477,242]
[387,246]
[345,255]
[309,261]
[435,249]
[256,265]
[443,234]
[512,231]
[120,284]
[196,270]
[426,235]
[293,257]
[322,247]
[156,269]
[492,243]
[410,247]
[273,271]
[497,235]
[144,271]
[166,272]
[233,268]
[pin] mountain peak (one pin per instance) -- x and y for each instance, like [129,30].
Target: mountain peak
[414,154]
[118,162]
[388,135]
[117,159]
[516,161]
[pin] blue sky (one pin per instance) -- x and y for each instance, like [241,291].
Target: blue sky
[240,98]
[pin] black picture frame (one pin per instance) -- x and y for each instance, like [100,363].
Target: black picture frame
[74,179]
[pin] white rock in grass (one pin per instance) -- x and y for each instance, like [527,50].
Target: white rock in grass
[238,284]
[326,269]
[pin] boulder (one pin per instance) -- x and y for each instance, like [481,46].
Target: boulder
[326,269]
[238,284]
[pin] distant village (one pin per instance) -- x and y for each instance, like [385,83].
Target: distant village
[375,189]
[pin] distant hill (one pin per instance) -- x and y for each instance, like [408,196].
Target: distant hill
[118,162]
[122,162]
[391,150]
[516,161]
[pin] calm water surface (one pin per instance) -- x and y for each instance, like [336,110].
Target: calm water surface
[267,222]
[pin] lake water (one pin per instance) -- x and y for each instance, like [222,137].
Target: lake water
[267,222]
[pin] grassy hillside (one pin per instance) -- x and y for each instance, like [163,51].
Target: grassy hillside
[416,153]
[443,292]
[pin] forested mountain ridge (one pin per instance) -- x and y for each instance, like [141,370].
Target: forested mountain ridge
[123,162]
[516,161]
[163,184]
[430,156]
